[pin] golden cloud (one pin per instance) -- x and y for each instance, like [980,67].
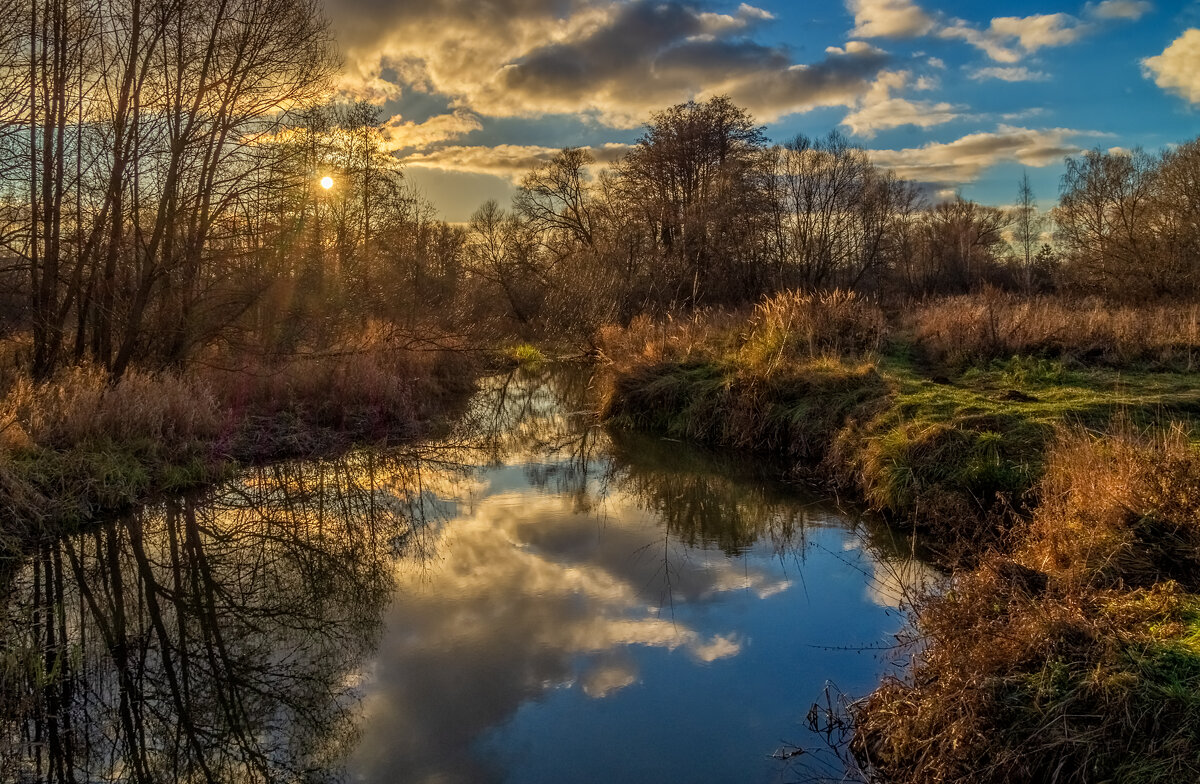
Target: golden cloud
[1177,69]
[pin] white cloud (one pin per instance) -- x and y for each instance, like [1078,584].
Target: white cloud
[989,44]
[965,159]
[1119,9]
[879,110]
[612,60]
[889,19]
[1038,31]
[1005,39]
[1177,69]
[1009,74]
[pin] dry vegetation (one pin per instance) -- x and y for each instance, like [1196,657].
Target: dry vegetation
[995,325]
[1077,658]
[80,444]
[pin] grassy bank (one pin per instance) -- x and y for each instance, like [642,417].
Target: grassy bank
[952,446]
[1061,478]
[78,446]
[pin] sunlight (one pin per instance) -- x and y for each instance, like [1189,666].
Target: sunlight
[326,182]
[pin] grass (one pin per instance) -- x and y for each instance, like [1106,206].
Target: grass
[954,450]
[1079,652]
[993,325]
[526,355]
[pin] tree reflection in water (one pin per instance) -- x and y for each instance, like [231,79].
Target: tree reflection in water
[208,639]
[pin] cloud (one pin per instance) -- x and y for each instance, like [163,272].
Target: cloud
[1119,9]
[508,161]
[1008,38]
[1177,69]
[1005,39]
[1009,74]
[888,19]
[612,60]
[401,135]
[878,110]
[1038,31]
[965,159]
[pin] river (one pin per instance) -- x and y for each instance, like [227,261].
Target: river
[531,598]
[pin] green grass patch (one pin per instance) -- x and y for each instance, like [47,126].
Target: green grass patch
[526,355]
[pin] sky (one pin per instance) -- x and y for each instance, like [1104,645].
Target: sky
[960,96]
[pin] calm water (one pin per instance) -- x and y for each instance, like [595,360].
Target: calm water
[531,600]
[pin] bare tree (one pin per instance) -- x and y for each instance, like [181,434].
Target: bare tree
[1027,229]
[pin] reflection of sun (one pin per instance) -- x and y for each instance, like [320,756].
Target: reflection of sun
[326,182]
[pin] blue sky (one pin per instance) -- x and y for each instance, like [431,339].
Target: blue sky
[961,96]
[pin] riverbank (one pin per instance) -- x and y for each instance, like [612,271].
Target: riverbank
[1038,655]
[78,447]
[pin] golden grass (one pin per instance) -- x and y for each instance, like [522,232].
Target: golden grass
[995,325]
[1075,659]
[80,405]
[795,326]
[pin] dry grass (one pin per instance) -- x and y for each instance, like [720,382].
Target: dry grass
[796,327]
[80,405]
[1119,510]
[1076,659]
[698,335]
[995,325]
[80,444]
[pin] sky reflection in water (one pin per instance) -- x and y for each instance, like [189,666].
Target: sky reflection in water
[632,610]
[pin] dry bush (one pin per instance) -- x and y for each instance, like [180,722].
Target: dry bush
[995,325]
[794,326]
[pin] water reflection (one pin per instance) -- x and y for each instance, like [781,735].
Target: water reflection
[207,639]
[529,599]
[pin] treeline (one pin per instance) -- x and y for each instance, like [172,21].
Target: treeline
[161,193]
[703,211]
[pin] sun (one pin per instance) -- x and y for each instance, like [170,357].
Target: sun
[326,182]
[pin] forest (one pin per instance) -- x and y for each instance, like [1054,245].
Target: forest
[209,259]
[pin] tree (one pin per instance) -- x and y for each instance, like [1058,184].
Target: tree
[556,197]
[695,175]
[1103,223]
[502,250]
[1027,229]
[145,143]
